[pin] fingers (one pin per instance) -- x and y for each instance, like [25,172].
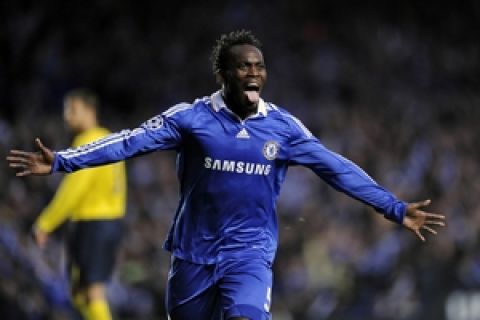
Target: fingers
[420,204]
[19,159]
[417,220]
[17,165]
[19,162]
[434,222]
[425,203]
[23,173]
[14,159]
[29,163]
[19,153]
[46,152]
[429,229]
[25,169]
[426,226]
[417,232]
[39,144]
[434,216]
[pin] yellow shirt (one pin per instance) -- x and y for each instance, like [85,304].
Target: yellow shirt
[88,194]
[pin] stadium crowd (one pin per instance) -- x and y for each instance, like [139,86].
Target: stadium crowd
[393,86]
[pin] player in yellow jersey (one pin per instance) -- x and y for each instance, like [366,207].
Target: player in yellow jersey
[94,201]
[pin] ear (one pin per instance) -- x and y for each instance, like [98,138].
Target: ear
[219,77]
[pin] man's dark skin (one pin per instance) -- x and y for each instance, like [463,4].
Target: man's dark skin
[244,79]
[242,82]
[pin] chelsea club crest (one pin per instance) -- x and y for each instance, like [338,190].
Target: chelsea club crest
[270,150]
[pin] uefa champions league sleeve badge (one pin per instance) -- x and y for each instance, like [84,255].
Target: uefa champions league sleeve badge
[154,123]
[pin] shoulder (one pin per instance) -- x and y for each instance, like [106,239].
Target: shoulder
[181,114]
[188,109]
[282,115]
[184,112]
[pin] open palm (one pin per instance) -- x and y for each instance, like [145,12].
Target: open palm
[31,163]
[417,220]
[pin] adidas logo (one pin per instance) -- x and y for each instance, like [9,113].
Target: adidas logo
[242,134]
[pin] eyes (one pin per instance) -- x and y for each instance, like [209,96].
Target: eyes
[247,67]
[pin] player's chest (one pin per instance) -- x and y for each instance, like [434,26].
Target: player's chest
[253,140]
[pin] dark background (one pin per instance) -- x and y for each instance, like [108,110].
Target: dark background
[392,85]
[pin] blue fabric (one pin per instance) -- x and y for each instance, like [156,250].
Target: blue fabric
[246,311]
[230,174]
[231,288]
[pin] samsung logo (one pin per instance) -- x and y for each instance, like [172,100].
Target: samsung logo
[237,166]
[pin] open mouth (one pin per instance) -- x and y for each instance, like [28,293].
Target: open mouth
[252,87]
[252,92]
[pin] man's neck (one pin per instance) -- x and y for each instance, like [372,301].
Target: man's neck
[88,126]
[241,111]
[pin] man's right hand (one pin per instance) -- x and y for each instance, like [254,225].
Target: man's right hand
[32,163]
[40,237]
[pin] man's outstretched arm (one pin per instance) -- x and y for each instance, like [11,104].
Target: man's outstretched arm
[345,176]
[158,133]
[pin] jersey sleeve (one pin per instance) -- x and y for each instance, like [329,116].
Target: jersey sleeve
[71,191]
[341,173]
[162,132]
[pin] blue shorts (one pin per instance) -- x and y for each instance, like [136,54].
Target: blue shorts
[231,288]
[92,250]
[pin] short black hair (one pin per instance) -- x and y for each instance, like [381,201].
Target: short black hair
[228,40]
[85,95]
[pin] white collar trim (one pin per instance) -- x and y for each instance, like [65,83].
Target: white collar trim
[218,104]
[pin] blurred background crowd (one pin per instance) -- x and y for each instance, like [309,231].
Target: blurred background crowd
[392,85]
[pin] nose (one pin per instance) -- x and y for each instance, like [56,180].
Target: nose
[253,71]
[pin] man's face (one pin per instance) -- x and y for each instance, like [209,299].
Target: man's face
[245,76]
[75,112]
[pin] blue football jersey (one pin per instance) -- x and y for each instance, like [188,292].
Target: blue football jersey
[230,172]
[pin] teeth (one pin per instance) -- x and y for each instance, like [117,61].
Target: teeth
[252,86]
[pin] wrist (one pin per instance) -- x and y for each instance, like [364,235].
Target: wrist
[397,212]
[55,163]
